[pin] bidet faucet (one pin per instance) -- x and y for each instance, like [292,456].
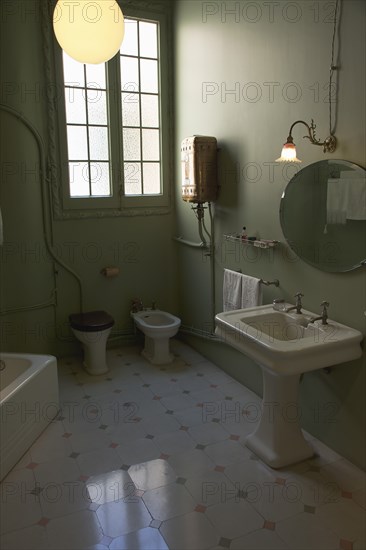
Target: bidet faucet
[298,304]
[136,305]
[324,316]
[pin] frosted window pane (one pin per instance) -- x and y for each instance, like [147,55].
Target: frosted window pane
[77,144]
[131,144]
[129,44]
[151,178]
[149,76]
[129,74]
[130,110]
[133,178]
[95,76]
[150,145]
[150,110]
[73,72]
[97,107]
[98,143]
[75,106]
[99,179]
[79,179]
[148,39]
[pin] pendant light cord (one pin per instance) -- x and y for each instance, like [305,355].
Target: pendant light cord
[332,68]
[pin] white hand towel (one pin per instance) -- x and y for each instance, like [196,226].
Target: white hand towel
[232,290]
[356,199]
[355,186]
[336,201]
[251,292]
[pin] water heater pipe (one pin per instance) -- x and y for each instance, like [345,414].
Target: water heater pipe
[212,267]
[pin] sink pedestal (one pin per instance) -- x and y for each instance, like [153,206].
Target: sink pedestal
[278,439]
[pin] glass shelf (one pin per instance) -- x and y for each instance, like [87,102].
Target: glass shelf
[258,243]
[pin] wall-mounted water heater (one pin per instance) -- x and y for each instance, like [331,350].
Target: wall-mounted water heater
[199,169]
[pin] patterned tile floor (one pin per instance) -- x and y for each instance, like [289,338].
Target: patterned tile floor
[153,458]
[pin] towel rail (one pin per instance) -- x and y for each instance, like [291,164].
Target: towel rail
[276,282]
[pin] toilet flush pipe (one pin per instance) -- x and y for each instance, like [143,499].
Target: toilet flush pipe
[43,178]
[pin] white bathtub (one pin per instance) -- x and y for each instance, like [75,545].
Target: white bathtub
[28,403]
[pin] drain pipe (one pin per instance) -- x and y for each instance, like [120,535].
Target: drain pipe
[44,195]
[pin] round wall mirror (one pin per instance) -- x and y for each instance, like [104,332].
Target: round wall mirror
[323,215]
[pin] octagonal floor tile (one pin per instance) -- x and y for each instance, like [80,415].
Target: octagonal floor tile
[122,517]
[78,530]
[234,519]
[192,532]
[169,501]
[143,539]
[152,474]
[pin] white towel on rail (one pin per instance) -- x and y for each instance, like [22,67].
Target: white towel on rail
[232,290]
[240,291]
[355,186]
[251,292]
[336,201]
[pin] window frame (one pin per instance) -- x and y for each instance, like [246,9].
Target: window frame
[83,202]
[118,204]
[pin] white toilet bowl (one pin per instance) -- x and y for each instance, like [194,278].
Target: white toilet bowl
[158,327]
[92,330]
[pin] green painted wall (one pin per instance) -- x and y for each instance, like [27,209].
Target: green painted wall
[245,77]
[271,53]
[140,246]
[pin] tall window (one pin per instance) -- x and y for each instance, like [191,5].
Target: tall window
[113,119]
[87,129]
[139,66]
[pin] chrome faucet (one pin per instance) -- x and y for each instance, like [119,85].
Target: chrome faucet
[324,316]
[298,304]
[136,305]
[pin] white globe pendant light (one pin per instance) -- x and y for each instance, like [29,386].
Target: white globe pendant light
[89,31]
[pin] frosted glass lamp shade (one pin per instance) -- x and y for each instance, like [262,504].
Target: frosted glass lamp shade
[288,153]
[89,31]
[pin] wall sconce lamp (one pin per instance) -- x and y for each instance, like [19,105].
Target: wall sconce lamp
[289,150]
[89,32]
[330,143]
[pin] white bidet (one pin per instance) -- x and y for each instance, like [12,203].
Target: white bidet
[158,327]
